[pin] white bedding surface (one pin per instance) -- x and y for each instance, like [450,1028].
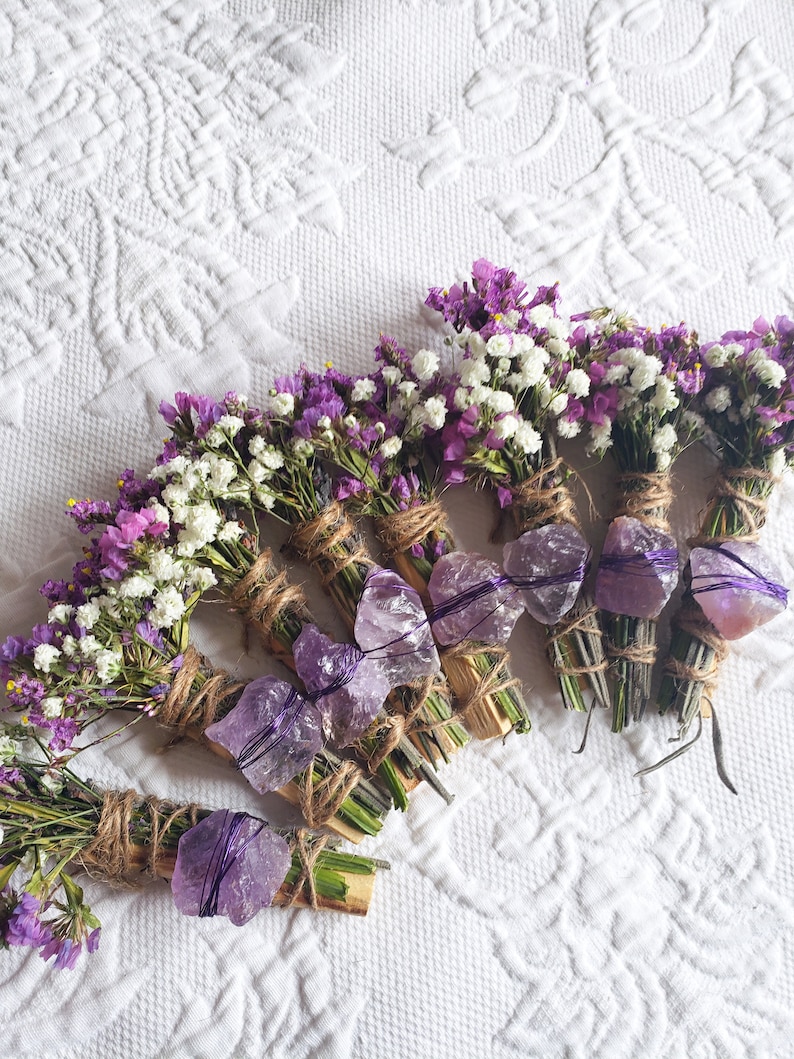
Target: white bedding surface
[195,195]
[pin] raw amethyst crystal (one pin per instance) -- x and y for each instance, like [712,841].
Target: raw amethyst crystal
[549,564]
[472,598]
[392,627]
[347,687]
[273,733]
[229,864]
[737,587]
[638,569]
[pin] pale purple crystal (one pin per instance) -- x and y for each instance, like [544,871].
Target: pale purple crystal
[347,687]
[737,587]
[638,569]
[273,733]
[549,565]
[472,598]
[229,864]
[392,627]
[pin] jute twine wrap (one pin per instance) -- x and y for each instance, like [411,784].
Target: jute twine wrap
[646,497]
[329,542]
[475,698]
[320,801]
[690,619]
[186,708]
[400,531]
[587,624]
[543,498]
[308,847]
[111,855]
[265,595]
[390,731]
[752,509]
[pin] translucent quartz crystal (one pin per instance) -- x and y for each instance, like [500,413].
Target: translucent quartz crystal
[737,587]
[229,864]
[273,733]
[348,688]
[638,588]
[556,553]
[392,627]
[472,598]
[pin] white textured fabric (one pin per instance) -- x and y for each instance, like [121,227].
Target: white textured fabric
[194,195]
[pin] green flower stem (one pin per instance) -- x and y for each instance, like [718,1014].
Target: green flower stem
[725,519]
[632,678]
[502,710]
[398,774]
[576,653]
[61,826]
[346,588]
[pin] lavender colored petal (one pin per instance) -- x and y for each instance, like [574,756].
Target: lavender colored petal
[347,687]
[736,599]
[472,598]
[258,861]
[392,628]
[639,589]
[556,552]
[287,748]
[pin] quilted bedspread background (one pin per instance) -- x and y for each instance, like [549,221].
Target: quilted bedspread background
[196,195]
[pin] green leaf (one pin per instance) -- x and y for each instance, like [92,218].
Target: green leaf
[89,918]
[6,872]
[74,893]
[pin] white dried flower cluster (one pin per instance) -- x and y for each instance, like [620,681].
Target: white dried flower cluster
[514,370]
[768,371]
[192,493]
[424,364]
[430,414]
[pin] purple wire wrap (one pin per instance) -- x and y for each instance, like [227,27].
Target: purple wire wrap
[459,603]
[752,581]
[274,733]
[641,564]
[352,658]
[224,855]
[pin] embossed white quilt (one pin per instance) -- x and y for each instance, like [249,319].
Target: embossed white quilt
[197,194]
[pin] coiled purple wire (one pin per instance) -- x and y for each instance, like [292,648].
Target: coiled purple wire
[641,564]
[224,856]
[753,581]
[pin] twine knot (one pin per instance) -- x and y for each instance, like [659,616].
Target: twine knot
[321,800]
[329,542]
[308,847]
[645,496]
[196,707]
[401,530]
[112,856]
[543,498]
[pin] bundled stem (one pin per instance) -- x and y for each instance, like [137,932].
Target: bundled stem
[575,643]
[331,544]
[489,698]
[200,696]
[122,838]
[735,511]
[278,610]
[632,641]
